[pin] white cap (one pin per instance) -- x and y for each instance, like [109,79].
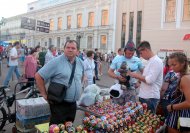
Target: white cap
[116,91]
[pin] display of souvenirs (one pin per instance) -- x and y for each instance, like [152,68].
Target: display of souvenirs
[66,128]
[145,123]
[107,107]
[132,117]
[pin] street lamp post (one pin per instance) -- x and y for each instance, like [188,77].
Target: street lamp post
[2,22]
[78,37]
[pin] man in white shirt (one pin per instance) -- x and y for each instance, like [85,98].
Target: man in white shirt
[49,55]
[13,63]
[152,77]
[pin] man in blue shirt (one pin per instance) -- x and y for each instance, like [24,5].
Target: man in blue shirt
[132,63]
[58,70]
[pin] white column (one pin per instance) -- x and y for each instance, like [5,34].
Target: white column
[111,12]
[55,23]
[97,16]
[55,41]
[114,4]
[109,41]
[95,38]
[74,19]
[85,41]
[84,18]
[178,13]
[135,21]
[163,13]
[64,21]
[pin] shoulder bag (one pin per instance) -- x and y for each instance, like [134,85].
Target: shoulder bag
[57,91]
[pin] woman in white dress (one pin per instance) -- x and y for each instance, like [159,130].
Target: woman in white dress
[89,67]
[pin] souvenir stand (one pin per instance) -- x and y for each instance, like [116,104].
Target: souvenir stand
[107,117]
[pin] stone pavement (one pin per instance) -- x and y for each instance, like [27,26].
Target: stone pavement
[104,82]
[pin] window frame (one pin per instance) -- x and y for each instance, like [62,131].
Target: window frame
[51,22]
[103,46]
[78,23]
[188,6]
[89,19]
[103,22]
[167,17]
[69,25]
[60,23]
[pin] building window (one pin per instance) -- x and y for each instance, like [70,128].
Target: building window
[79,20]
[51,24]
[139,25]
[123,30]
[131,19]
[68,22]
[91,19]
[105,17]
[170,10]
[60,23]
[186,11]
[103,42]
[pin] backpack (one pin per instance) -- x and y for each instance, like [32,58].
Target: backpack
[42,58]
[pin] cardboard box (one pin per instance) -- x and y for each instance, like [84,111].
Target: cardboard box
[32,108]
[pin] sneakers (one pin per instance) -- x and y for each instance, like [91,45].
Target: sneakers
[100,74]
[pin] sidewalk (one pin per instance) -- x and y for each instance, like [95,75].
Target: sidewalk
[105,81]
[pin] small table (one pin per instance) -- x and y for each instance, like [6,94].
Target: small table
[42,128]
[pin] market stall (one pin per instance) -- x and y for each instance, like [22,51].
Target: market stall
[107,117]
[102,115]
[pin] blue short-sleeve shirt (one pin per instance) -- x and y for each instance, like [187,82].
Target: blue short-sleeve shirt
[59,70]
[134,64]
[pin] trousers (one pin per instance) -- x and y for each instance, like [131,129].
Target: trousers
[61,113]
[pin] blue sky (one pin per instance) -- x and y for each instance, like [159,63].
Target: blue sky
[9,8]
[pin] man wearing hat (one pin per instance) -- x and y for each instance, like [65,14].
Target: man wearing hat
[132,62]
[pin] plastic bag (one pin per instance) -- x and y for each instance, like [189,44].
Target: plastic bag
[90,95]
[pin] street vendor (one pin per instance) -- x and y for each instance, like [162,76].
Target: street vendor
[120,65]
[59,71]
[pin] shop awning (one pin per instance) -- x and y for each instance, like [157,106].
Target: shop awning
[186,37]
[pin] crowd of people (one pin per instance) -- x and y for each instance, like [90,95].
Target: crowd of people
[154,83]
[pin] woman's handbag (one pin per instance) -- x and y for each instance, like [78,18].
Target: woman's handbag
[183,124]
[57,91]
